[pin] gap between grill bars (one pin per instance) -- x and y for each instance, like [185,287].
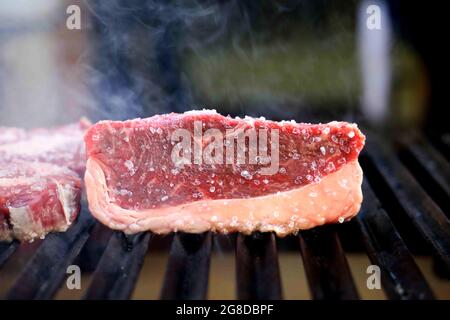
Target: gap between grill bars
[391,182]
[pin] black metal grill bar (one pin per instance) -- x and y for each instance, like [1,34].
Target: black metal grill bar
[426,216]
[401,277]
[6,250]
[119,267]
[326,267]
[443,144]
[93,250]
[257,270]
[187,271]
[430,168]
[43,274]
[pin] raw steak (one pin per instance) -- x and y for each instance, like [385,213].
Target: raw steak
[38,191]
[62,146]
[134,183]
[36,198]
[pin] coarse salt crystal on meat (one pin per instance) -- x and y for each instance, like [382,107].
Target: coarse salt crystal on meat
[135,184]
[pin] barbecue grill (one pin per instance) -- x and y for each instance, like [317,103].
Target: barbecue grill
[405,211]
[406,185]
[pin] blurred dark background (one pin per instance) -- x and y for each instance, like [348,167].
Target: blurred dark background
[287,59]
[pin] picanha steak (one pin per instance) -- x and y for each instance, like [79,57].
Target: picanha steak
[40,183]
[202,171]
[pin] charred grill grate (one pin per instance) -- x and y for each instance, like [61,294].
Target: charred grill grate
[409,185]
